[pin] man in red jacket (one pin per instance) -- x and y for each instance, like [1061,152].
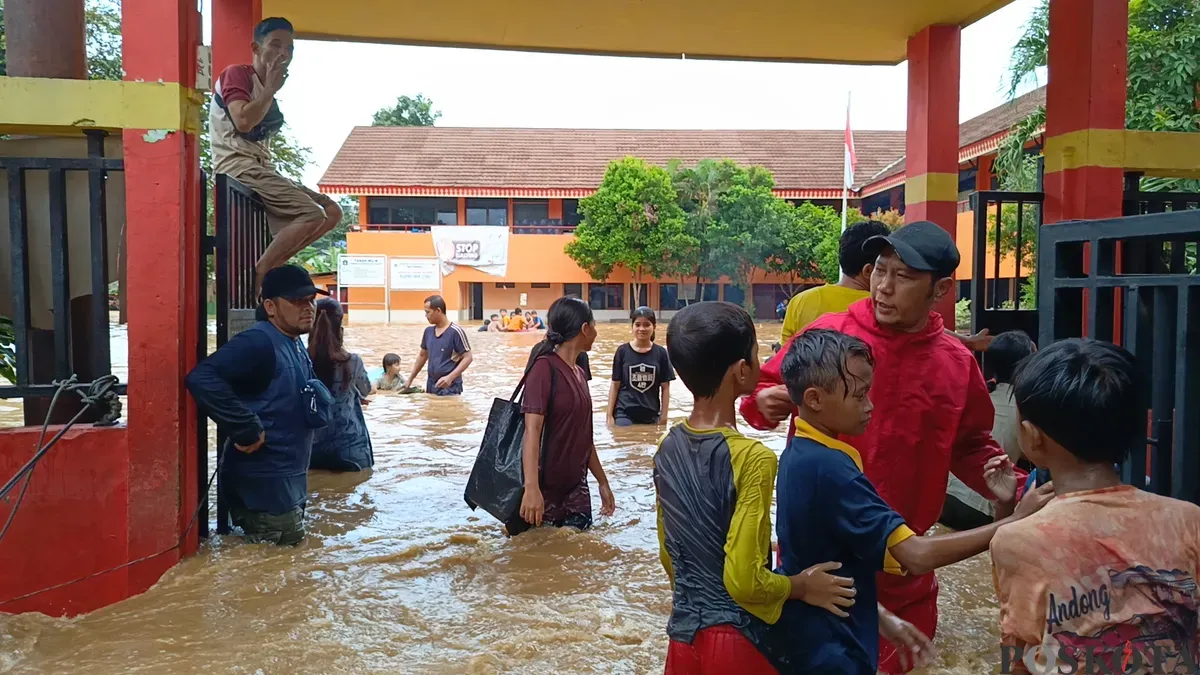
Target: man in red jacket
[933,414]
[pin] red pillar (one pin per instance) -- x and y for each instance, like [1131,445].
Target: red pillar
[45,39]
[1086,91]
[162,178]
[931,186]
[233,24]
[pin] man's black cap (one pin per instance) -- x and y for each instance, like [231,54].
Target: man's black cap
[922,246]
[290,283]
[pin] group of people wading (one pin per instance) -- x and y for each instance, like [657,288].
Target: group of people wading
[883,403]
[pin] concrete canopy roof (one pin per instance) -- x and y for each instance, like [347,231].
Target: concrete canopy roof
[858,31]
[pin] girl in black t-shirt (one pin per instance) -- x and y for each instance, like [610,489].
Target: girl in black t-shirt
[641,370]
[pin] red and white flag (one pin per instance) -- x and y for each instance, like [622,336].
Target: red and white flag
[851,160]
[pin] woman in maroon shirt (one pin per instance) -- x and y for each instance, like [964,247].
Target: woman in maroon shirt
[556,488]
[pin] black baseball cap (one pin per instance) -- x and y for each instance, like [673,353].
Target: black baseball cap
[921,245]
[290,283]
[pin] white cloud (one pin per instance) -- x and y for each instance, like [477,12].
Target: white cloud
[334,86]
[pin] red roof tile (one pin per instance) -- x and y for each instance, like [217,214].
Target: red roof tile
[577,158]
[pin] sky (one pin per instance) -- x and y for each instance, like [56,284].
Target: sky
[334,86]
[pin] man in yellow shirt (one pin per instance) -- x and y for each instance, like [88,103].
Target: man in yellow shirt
[516,321]
[855,284]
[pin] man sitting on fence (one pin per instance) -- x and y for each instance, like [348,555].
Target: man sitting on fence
[242,119]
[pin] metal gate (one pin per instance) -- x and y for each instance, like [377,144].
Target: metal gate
[240,235]
[1006,231]
[1140,285]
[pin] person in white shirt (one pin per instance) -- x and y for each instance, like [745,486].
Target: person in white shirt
[999,363]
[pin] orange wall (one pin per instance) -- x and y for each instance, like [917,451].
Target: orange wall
[965,238]
[532,258]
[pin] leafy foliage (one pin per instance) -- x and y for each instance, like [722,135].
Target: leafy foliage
[633,221]
[892,217]
[828,224]
[8,350]
[749,229]
[408,112]
[1029,53]
[699,191]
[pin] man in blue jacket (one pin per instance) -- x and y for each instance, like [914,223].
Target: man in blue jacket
[253,388]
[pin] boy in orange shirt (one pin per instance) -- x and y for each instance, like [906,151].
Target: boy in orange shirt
[1105,575]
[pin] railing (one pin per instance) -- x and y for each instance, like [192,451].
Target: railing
[1006,226]
[1157,307]
[95,363]
[240,237]
[547,226]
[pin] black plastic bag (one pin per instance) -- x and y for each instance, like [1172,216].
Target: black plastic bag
[497,482]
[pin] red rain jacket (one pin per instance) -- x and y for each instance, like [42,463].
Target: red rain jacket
[932,416]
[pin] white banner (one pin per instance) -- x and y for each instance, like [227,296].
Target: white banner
[484,247]
[362,270]
[416,274]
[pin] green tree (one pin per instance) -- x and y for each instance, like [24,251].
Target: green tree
[699,190]
[827,226]
[633,220]
[795,255]
[408,112]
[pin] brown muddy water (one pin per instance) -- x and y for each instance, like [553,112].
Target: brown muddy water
[399,576]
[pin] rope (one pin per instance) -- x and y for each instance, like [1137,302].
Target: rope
[97,391]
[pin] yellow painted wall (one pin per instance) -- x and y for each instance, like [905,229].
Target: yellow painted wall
[965,238]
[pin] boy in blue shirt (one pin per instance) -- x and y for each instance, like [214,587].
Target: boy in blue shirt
[828,510]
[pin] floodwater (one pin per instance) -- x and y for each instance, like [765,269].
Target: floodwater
[399,576]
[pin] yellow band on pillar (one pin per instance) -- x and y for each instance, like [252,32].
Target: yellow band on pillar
[1156,153]
[46,106]
[931,187]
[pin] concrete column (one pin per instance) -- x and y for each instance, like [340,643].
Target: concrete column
[233,23]
[1085,108]
[45,38]
[162,185]
[931,186]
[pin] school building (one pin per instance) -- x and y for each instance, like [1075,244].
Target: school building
[410,180]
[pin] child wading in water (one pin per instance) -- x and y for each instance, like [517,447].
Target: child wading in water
[641,372]
[714,510]
[390,380]
[1107,572]
[828,510]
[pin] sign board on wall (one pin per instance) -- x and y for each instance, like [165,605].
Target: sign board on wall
[362,271]
[416,274]
[524,300]
[484,247]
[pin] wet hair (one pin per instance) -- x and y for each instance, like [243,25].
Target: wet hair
[820,358]
[705,339]
[564,321]
[517,310]
[851,256]
[436,302]
[487,322]
[775,347]
[390,360]
[270,25]
[494,317]
[325,343]
[1086,395]
[1007,350]
[644,312]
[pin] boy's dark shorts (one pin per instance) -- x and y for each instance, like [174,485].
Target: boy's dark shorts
[285,529]
[579,521]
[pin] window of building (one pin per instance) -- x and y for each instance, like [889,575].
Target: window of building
[412,210]
[505,284]
[710,293]
[606,296]
[573,290]
[735,295]
[539,285]
[487,212]
[570,212]
[530,212]
[668,297]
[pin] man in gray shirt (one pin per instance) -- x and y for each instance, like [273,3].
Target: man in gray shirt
[445,348]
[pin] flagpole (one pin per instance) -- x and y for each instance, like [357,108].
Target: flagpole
[845,187]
